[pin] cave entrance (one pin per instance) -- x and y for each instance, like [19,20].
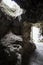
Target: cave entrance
[37,33]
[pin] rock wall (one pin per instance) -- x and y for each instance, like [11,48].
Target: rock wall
[23,29]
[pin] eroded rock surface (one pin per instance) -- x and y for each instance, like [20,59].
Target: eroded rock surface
[16,49]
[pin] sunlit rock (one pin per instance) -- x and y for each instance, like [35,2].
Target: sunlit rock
[11,8]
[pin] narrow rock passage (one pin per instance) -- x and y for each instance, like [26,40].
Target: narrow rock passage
[37,56]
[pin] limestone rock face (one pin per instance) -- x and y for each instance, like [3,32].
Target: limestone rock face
[18,37]
[14,39]
[12,48]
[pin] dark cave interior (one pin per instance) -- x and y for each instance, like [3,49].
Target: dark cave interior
[34,9]
[33,14]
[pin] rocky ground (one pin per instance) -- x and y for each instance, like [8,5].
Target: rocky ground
[37,56]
